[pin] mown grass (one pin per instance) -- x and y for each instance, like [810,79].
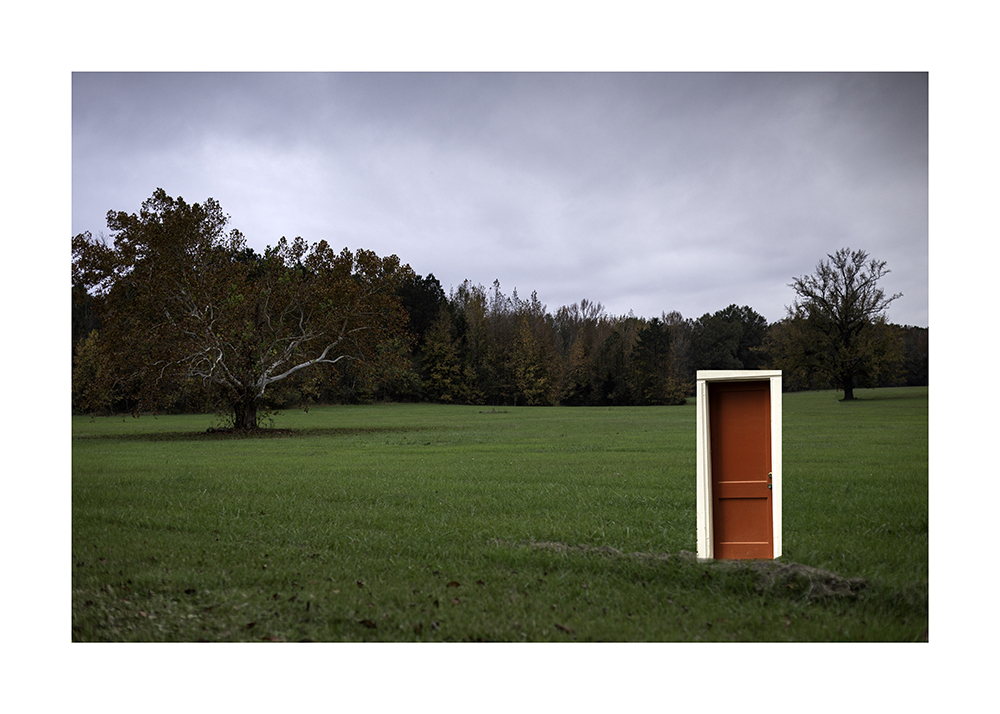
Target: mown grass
[429,522]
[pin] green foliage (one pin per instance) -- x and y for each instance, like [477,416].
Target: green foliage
[196,319]
[916,371]
[422,298]
[456,523]
[89,386]
[615,376]
[84,317]
[729,339]
[530,381]
[580,331]
[440,364]
[657,378]
[513,352]
[716,341]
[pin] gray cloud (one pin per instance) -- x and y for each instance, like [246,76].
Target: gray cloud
[646,192]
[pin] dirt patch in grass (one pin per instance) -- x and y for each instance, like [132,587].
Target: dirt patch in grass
[771,575]
[814,583]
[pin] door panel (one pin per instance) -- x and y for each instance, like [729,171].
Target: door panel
[740,437]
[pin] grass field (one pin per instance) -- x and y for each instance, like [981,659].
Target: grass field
[463,523]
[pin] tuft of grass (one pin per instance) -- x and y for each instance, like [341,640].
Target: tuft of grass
[454,523]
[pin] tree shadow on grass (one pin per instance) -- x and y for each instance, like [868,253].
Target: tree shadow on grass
[213,434]
[862,396]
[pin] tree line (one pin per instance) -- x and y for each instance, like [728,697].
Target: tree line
[176,314]
[480,346]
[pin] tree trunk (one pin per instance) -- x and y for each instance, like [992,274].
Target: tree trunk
[245,413]
[847,384]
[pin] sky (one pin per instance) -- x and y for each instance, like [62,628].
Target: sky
[647,192]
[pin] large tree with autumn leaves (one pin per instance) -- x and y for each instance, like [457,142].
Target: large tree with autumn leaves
[182,298]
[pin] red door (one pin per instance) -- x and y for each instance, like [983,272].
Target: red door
[740,437]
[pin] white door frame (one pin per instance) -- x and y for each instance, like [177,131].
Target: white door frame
[706,544]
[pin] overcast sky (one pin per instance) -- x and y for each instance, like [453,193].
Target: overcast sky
[645,192]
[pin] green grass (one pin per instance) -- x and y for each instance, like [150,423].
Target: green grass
[422,523]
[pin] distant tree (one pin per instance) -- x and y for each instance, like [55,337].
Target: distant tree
[467,304]
[88,387]
[801,358]
[656,379]
[422,298]
[917,372]
[440,365]
[526,368]
[578,376]
[579,331]
[682,358]
[84,309]
[181,298]
[729,339]
[753,330]
[550,366]
[615,367]
[501,332]
[715,342]
[836,330]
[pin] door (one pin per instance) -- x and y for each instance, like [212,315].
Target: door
[740,438]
